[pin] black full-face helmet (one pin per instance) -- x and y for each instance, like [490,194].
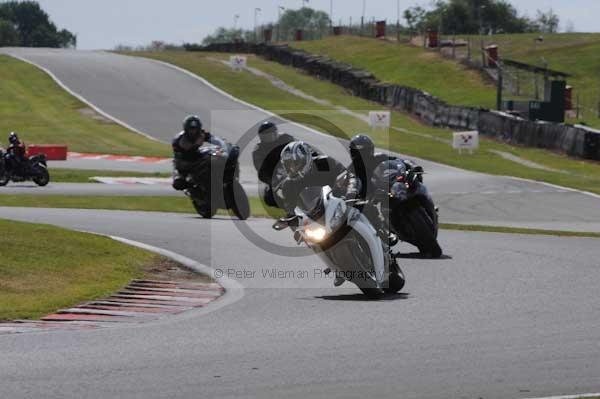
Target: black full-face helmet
[268,132]
[13,138]
[192,127]
[361,147]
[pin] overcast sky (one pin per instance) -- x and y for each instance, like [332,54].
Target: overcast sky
[102,24]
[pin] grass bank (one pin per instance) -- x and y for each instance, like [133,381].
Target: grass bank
[84,175]
[43,113]
[44,268]
[411,137]
[575,53]
[123,203]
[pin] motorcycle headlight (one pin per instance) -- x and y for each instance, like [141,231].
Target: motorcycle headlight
[316,233]
[338,217]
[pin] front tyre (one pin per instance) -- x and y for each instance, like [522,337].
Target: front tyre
[373,293]
[203,209]
[41,176]
[4,179]
[238,201]
[425,233]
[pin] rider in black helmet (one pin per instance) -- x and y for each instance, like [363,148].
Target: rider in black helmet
[266,156]
[365,160]
[16,154]
[185,149]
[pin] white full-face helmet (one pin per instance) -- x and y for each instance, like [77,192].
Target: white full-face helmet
[296,159]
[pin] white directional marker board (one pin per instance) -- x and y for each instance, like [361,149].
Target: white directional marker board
[466,141]
[380,119]
[238,62]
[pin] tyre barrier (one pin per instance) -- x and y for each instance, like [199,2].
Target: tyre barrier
[577,141]
[53,152]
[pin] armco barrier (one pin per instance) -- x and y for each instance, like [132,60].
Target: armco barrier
[53,152]
[578,141]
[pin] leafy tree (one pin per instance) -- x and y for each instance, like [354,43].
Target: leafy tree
[547,21]
[33,25]
[313,22]
[415,18]
[469,17]
[8,34]
[226,35]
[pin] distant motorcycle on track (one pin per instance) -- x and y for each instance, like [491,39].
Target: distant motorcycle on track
[213,183]
[406,206]
[345,240]
[33,169]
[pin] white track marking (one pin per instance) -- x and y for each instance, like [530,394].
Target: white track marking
[582,396]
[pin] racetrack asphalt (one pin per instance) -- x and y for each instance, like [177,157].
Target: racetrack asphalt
[502,316]
[153,98]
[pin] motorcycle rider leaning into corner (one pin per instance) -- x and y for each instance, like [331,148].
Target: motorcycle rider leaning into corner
[16,152]
[267,155]
[185,149]
[364,162]
[303,168]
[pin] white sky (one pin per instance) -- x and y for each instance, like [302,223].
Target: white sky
[102,24]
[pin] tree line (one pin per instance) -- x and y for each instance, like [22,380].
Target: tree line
[25,24]
[478,16]
[449,16]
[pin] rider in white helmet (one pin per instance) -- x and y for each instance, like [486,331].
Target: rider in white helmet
[304,168]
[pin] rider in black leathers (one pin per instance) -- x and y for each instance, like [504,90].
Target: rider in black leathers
[267,155]
[364,162]
[185,149]
[16,155]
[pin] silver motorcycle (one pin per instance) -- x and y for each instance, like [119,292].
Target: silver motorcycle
[345,240]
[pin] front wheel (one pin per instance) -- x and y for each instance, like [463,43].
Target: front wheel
[42,177]
[238,201]
[425,233]
[203,209]
[4,179]
[373,293]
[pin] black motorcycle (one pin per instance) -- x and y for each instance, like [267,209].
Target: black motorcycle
[34,168]
[213,183]
[406,206]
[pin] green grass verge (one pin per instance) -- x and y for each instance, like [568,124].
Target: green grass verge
[408,66]
[183,205]
[517,230]
[35,106]
[44,268]
[124,203]
[421,141]
[83,176]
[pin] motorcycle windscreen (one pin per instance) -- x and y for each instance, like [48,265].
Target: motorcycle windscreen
[311,202]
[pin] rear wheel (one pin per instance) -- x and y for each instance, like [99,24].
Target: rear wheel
[425,233]
[396,279]
[42,177]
